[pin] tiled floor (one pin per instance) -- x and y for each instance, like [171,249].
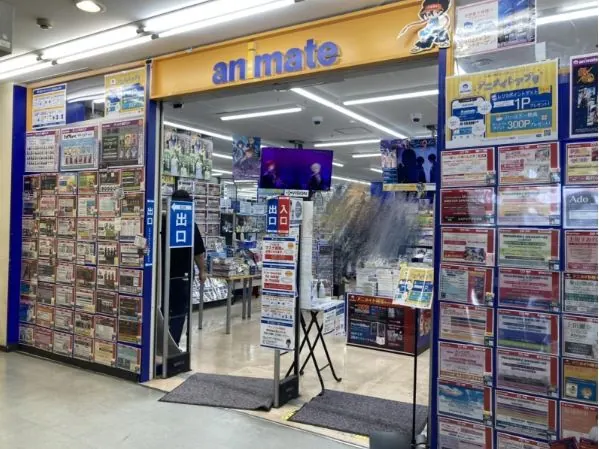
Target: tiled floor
[51,406]
[364,371]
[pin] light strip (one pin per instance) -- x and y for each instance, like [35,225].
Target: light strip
[222,156]
[90,42]
[24,70]
[18,62]
[200,131]
[86,98]
[357,181]
[227,118]
[223,172]
[106,49]
[345,143]
[586,5]
[365,155]
[376,170]
[338,164]
[404,96]
[345,111]
[557,18]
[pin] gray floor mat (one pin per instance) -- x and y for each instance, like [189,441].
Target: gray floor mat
[245,393]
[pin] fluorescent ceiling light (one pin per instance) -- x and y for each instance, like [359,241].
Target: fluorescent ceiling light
[405,96]
[345,111]
[24,70]
[99,101]
[226,118]
[338,164]
[107,49]
[222,172]
[200,131]
[578,6]
[376,170]
[222,156]
[364,155]
[88,43]
[357,181]
[18,62]
[89,6]
[346,143]
[574,15]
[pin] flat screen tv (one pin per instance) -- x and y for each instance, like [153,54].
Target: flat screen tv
[291,168]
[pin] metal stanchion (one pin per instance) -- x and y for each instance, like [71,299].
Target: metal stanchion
[167,287]
[277,378]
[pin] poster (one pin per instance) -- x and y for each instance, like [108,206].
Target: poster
[581,251]
[529,331]
[466,284]
[515,104]
[493,25]
[506,441]
[279,277]
[132,179]
[527,372]
[536,163]
[580,380]
[529,248]
[246,157]
[79,148]
[467,324]
[188,154]
[578,420]
[581,163]
[417,161]
[579,336]
[580,293]
[41,151]
[526,415]
[415,288]
[468,245]
[461,168]
[529,289]
[110,181]
[461,400]
[277,322]
[529,206]
[49,106]
[465,363]
[580,207]
[583,97]
[125,92]
[457,434]
[122,143]
[389,150]
[468,206]
[279,249]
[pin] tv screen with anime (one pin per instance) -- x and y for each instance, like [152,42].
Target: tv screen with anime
[291,168]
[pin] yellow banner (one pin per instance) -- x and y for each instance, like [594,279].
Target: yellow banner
[125,92]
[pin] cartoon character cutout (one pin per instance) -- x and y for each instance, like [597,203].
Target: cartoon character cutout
[433,26]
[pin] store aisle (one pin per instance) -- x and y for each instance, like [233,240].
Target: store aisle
[43,404]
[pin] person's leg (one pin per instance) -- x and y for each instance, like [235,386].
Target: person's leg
[179,305]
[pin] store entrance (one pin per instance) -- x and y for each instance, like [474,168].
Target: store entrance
[365,233]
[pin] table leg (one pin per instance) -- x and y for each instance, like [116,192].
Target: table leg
[311,354]
[250,295]
[243,300]
[300,351]
[319,328]
[229,299]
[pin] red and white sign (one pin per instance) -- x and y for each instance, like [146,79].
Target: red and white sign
[460,168]
[537,163]
[581,251]
[468,245]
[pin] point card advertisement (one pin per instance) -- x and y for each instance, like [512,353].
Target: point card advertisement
[515,104]
[458,434]
[466,324]
[465,363]
[468,206]
[581,163]
[463,168]
[580,294]
[583,97]
[467,285]
[528,331]
[578,421]
[529,206]
[529,289]
[468,245]
[528,372]
[529,248]
[79,148]
[581,251]
[580,207]
[579,337]
[506,441]
[536,163]
[526,415]
[468,401]
[580,380]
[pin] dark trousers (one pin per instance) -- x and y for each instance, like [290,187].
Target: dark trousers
[178,307]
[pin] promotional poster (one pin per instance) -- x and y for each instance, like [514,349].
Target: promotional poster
[528,331]
[417,162]
[581,251]
[187,154]
[128,358]
[580,294]
[277,329]
[529,206]
[583,98]
[580,380]
[415,288]
[465,363]
[466,324]
[278,277]
[457,434]
[79,148]
[467,168]
[528,372]
[49,106]
[468,206]
[580,207]
[469,245]
[578,420]
[506,441]
[461,400]
[246,157]
[41,151]
[389,151]
[526,415]
[579,336]
[529,248]
[581,163]
[104,353]
[467,285]
[530,289]
[83,348]
[122,143]
[536,163]
[67,183]
[125,92]
[515,104]
[62,344]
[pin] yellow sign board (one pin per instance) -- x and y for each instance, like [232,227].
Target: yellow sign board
[125,92]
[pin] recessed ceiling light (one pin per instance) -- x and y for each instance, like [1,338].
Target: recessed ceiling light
[345,143]
[376,170]
[356,181]
[89,6]
[364,155]
[405,96]
[338,164]
[226,118]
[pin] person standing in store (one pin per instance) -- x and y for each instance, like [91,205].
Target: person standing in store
[180,278]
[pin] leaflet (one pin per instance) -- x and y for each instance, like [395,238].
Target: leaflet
[29,249]
[580,207]
[62,343]
[129,331]
[528,373]
[580,380]
[108,253]
[128,358]
[27,310]
[536,163]
[29,227]
[86,229]
[30,207]
[108,278]
[580,294]
[88,183]
[84,324]
[529,289]
[108,205]
[578,420]
[87,206]
[67,184]
[581,163]
[473,167]
[66,250]
[129,228]
[529,248]
[46,270]
[44,316]
[579,337]
[133,179]
[526,415]
[105,328]
[66,228]
[85,300]
[110,181]
[29,270]
[67,206]
[465,363]
[505,441]
[26,334]
[47,227]
[64,320]
[106,302]
[457,434]
[468,401]
[48,184]
[529,206]
[468,206]
[85,276]
[466,324]
[130,308]
[46,248]
[83,348]
[86,253]
[131,256]
[107,229]
[130,282]
[48,206]
[104,353]
[65,273]
[31,186]
[65,296]
[466,284]
[468,245]
[46,294]
[581,251]
[42,339]
[528,331]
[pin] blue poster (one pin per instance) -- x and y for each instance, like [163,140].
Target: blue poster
[583,100]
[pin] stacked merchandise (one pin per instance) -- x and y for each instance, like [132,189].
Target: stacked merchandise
[81,272]
[378,278]
[229,267]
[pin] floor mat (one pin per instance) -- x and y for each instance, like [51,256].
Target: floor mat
[359,414]
[245,393]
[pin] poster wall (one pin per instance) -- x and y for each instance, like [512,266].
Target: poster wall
[583,97]
[246,157]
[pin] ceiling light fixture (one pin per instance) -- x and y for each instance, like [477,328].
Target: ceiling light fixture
[365,155]
[18,62]
[574,15]
[345,111]
[93,98]
[226,118]
[223,172]
[376,170]
[24,70]
[338,164]
[357,181]
[222,156]
[89,6]
[106,49]
[578,6]
[404,96]
[346,143]
[92,42]
[199,131]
